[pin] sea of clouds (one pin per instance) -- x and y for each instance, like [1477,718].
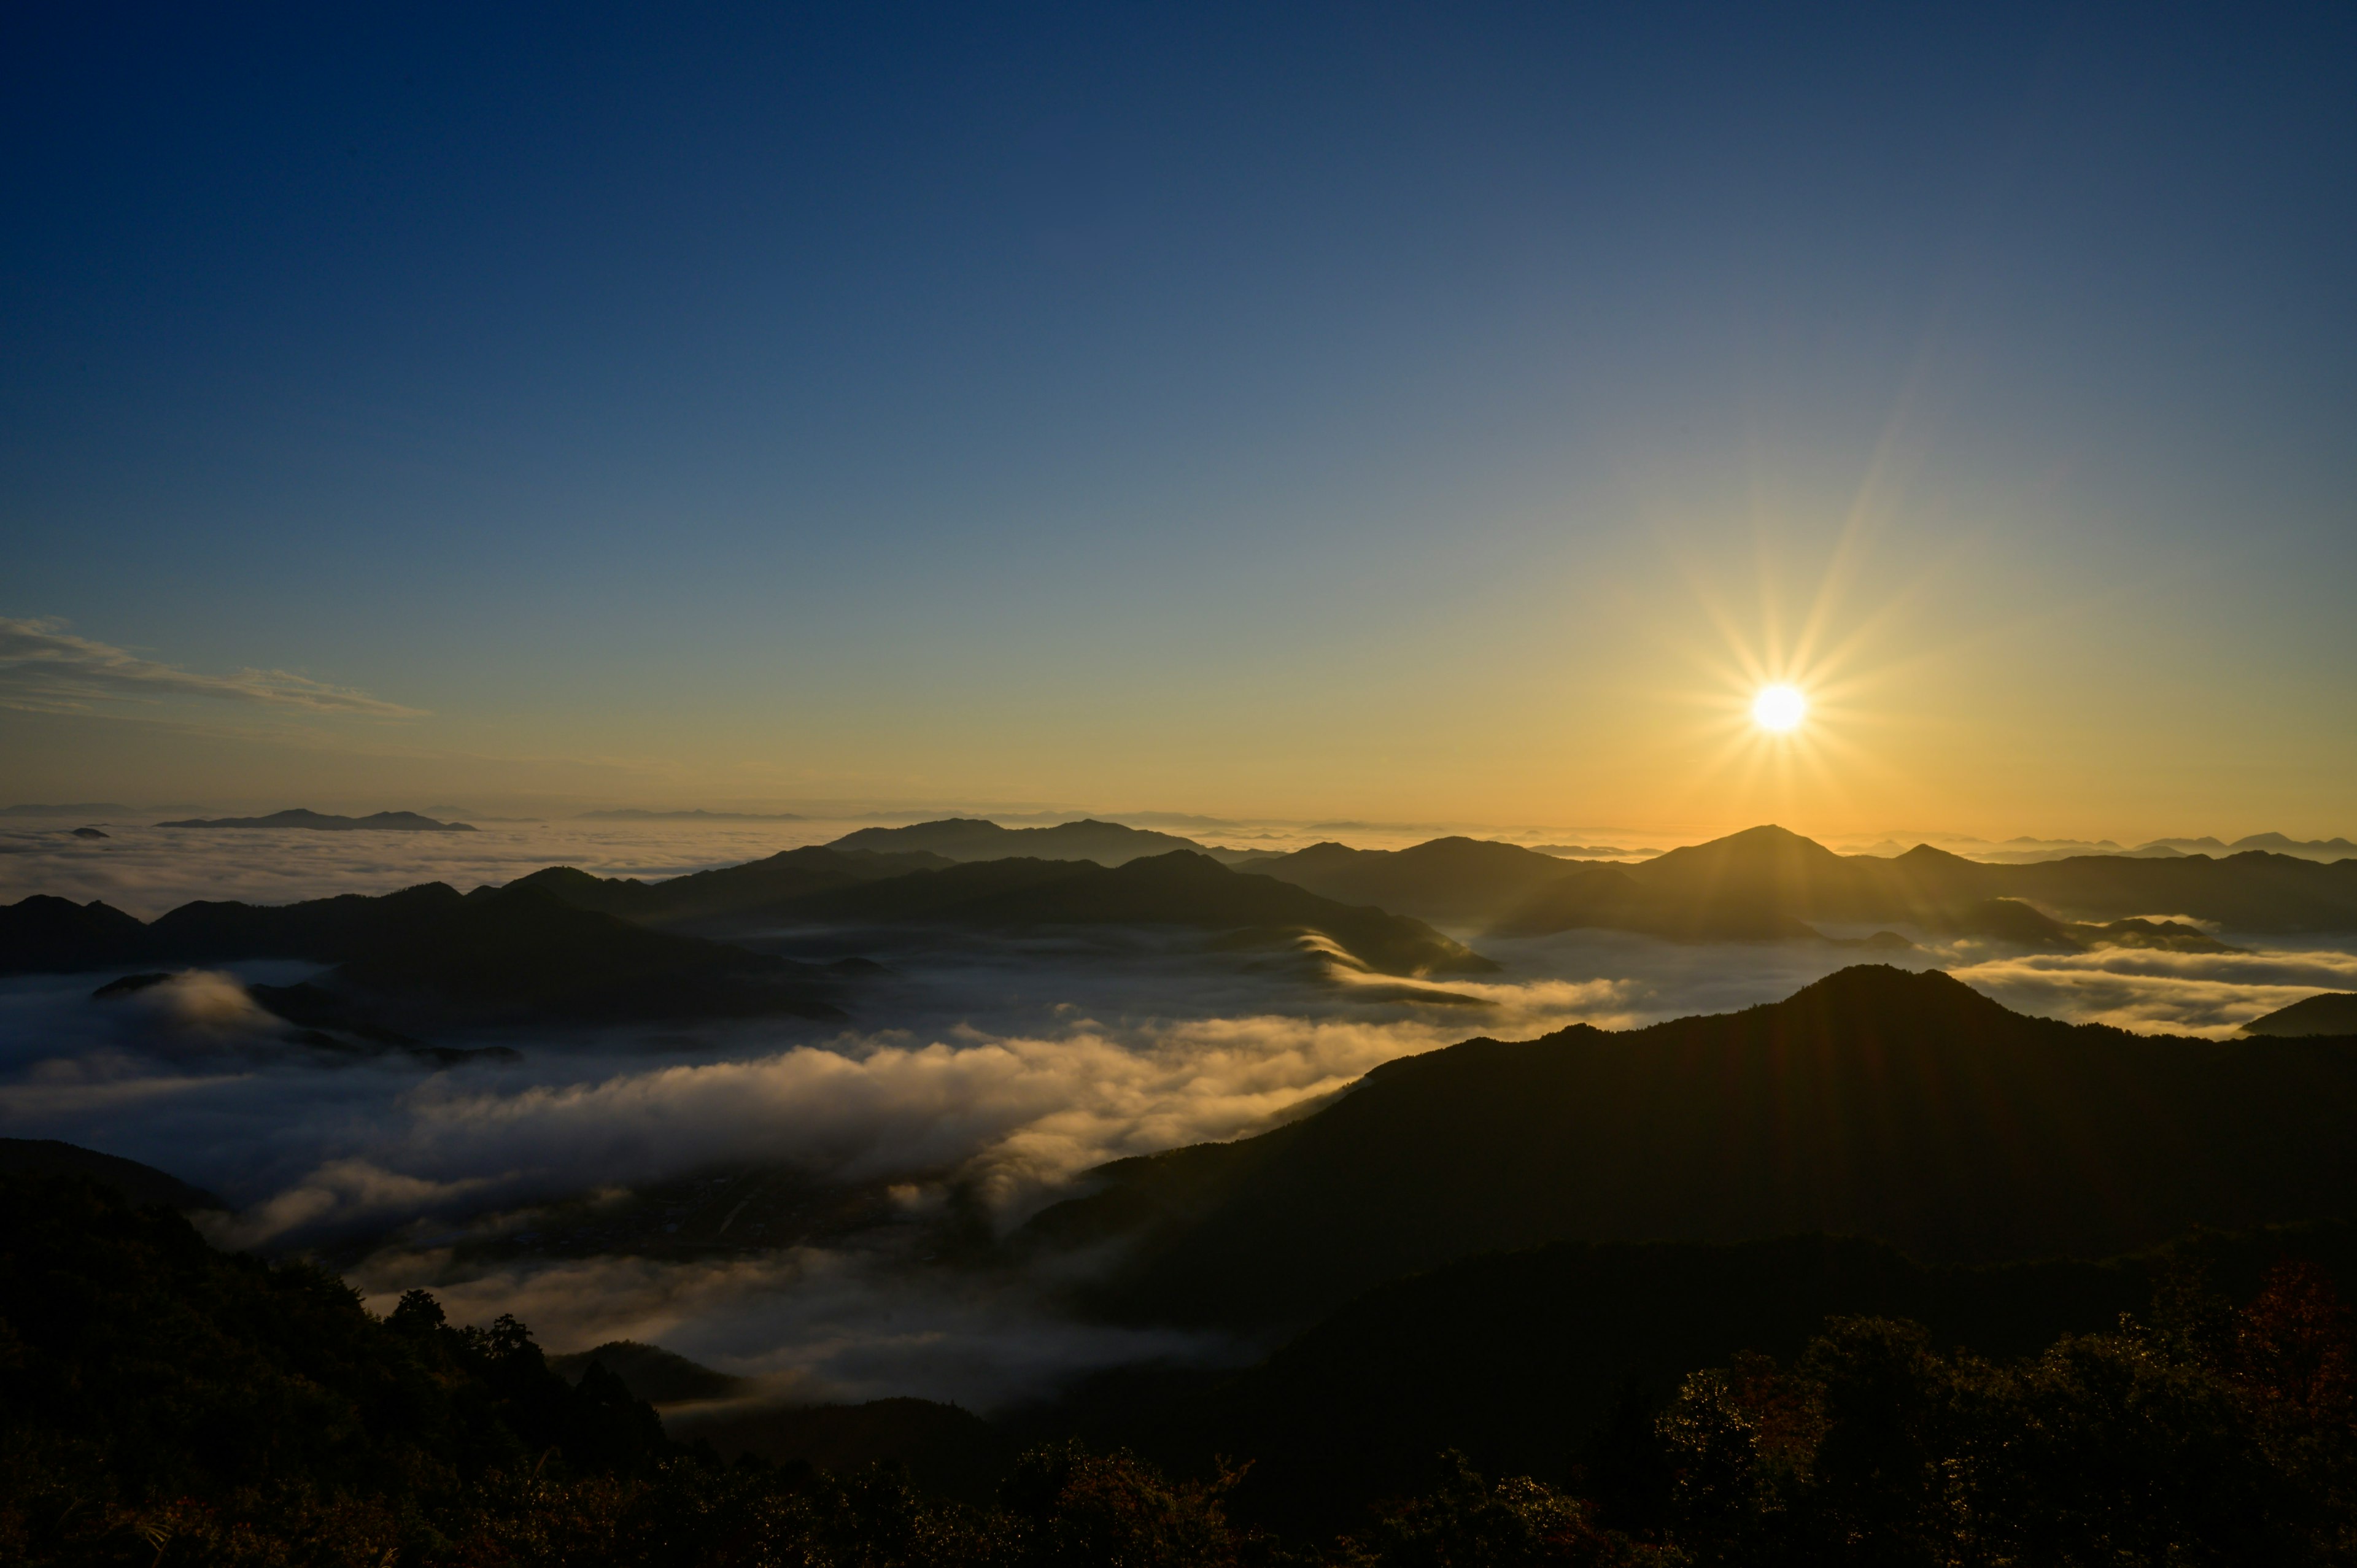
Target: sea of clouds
[1008,1070]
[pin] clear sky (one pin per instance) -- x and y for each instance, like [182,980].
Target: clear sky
[1445,413]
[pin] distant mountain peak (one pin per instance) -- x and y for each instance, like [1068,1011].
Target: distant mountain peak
[319,822]
[1867,983]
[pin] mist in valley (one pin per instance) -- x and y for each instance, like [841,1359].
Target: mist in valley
[823,1207]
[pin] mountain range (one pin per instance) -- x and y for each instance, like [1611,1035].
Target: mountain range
[974,838]
[382,821]
[1904,1107]
[857,886]
[429,956]
[1521,1250]
[562,945]
[1767,883]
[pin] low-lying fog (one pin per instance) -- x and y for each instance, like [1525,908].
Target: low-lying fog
[823,1172]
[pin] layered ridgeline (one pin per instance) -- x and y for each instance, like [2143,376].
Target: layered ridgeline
[974,838]
[1768,884]
[837,888]
[318,822]
[562,944]
[429,956]
[1902,1107]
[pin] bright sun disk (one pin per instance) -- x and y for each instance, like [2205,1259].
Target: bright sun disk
[1780,708]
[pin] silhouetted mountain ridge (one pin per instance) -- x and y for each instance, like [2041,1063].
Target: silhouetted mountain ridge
[974,838]
[139,1185]
[1180,888]
[1904,1107]
[1768,884]
[829,886]
[430,954]
[2333,1014]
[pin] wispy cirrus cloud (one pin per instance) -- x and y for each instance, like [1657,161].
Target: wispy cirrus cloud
[44,667]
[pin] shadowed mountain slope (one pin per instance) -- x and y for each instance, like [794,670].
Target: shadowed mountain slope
[1539,1362]
[651,1373]
[1904,1107]
[429,955]
[948,1451]
[45,934]
[143,1362]
[519,956]
[823,887]
[1181,888]
[139,1185]
[1461,881]
[1763,881]
[974,838]
[2334,1012]
[732,894]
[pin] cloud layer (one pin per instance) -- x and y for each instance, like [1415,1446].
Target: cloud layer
[1010,1066]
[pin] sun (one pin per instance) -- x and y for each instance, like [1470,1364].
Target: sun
[1780,709]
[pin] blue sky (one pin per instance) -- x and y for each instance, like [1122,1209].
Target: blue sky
[1436,411]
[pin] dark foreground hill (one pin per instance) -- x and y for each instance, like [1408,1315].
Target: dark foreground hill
[138,1184]
[144,1366]
[1540,1362]
[164,1401]
[946,1450]
[1902,1107]
[2334,1012]
[429,955]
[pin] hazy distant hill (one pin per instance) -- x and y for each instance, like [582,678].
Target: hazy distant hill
[750,892]
[428,952]
[1904,1107]
[1765,882]
[2276,843]
[1768,884]
[2334,1012]
[382,821]
[651,1373]
[972,838]
[946,1450]
[1457,880]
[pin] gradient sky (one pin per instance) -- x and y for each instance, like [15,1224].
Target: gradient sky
[1442,413]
